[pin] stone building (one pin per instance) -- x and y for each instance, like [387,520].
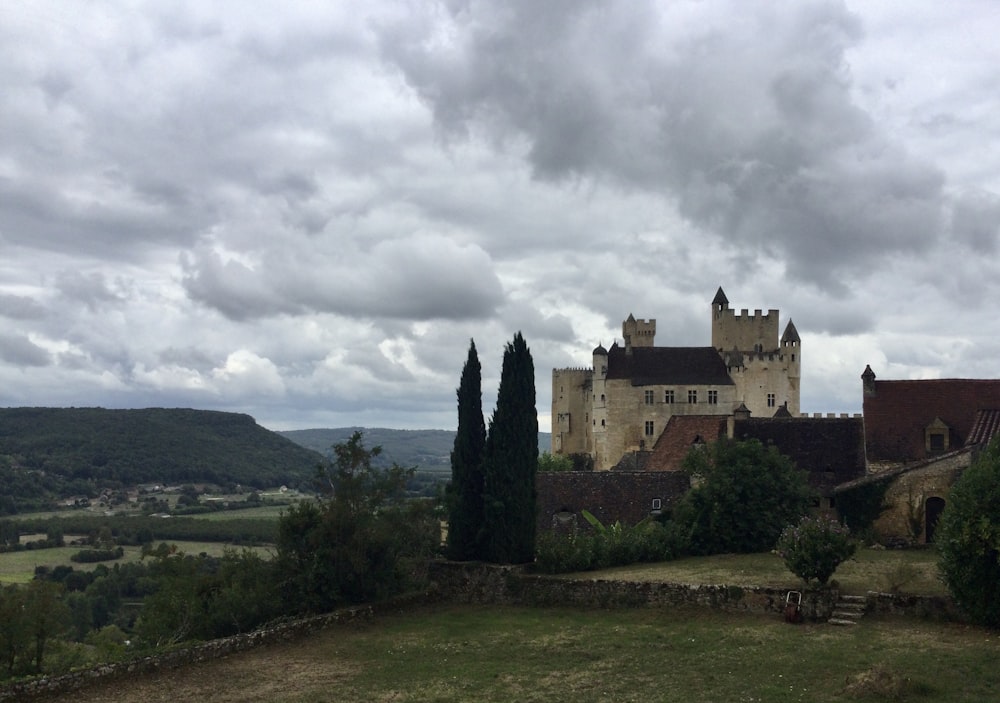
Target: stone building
[919,438]
[623,402]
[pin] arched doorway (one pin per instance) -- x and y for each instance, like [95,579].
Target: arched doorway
[932,513]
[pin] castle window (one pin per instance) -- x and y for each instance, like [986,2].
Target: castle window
[937,442]
[602,422]
[770,400]
[649,428]
[602,397]
[668,397]
[657,503]
[692,396]
[713,397]
[649,397]
[793,357]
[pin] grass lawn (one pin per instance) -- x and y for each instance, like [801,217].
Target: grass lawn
[500,654]
[910,571]
[19,567]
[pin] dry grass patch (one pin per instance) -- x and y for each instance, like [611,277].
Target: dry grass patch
[906,571]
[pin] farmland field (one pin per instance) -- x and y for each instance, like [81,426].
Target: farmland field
[19,567]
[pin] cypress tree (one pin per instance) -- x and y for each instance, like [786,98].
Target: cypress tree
[510,462]
[465,492]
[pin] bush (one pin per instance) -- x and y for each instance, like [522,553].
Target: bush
[561,554]
[606,546]
[91,556]
[815,547]
[968,538]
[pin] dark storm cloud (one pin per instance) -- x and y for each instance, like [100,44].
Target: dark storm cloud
[742,114]
[418,278]
[19,307]
[21,351]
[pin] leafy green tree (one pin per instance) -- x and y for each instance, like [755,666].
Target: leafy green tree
[510,462]
[742,496]
[554,462]
[465,492]
[13,629]
[351,547]
[968,539]
[46,615]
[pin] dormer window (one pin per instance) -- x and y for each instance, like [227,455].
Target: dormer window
[937,436]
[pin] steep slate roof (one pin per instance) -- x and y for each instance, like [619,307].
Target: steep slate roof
[720,298]
[677,438]
[832,450]
[791,334]
[898,413]
[648,366]
[985,428]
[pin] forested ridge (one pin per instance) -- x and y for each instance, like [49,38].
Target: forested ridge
[46,452]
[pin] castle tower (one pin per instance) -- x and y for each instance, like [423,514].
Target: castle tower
[765,369]
[638,333]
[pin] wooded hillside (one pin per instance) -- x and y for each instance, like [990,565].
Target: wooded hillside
[45,452]
[427,450]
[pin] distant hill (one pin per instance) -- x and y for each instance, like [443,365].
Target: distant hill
[64,451]
[427,450]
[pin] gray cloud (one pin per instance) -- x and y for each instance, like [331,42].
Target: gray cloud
[752,128]
[305,212]
[21,351]
[19,307]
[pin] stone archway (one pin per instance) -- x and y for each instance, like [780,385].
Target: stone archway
[932,513]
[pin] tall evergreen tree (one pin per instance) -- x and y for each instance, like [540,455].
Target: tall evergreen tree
[510,463]
[465,492]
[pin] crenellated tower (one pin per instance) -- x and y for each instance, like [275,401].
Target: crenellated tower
[766,369]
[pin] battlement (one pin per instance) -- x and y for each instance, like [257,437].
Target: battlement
[745,315]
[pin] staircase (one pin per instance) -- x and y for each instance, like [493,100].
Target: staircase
[848,610]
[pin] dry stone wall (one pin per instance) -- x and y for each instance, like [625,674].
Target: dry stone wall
[471,582]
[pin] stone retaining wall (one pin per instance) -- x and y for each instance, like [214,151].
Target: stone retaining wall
[471,582]
[206,651]
[926,607]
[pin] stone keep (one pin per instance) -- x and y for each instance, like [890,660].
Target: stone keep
[624,400]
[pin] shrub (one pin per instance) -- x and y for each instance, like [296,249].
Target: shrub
[815,547]
[968,538]
[564,553]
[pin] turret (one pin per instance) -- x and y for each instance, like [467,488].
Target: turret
[868,382]
[600,357]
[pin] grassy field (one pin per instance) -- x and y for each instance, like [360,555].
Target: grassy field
[19,567]
[910,571]
[517,654]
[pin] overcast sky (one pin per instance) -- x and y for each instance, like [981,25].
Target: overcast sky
[305,211]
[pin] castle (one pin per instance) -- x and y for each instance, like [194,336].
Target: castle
[623,403]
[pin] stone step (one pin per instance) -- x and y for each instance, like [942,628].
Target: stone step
[853,599]
[848,610]
[846,614]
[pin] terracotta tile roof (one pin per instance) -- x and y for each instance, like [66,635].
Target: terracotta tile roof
[898,413]
[647,366]
[985,428]
[832,450]
[679,435]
